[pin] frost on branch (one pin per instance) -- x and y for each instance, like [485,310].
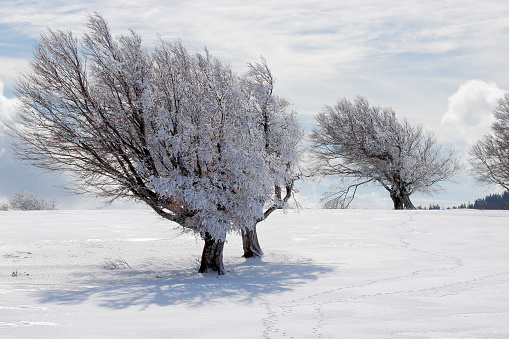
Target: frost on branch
[179,131]
[490,156]
[363,144]
[28,201]
[280,134]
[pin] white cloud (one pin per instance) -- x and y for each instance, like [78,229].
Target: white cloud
[324,36]
[9,67]
[7,106]
[7,112]
[323,51]
[469,114]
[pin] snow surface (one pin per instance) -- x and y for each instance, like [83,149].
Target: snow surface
[325,274]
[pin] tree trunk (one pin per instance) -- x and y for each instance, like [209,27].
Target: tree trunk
[396,200]
[401,201]
[250,243]
[212,256]
[407,203]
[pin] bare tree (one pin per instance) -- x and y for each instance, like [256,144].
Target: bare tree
[362,144]
[490,155]
[169,128]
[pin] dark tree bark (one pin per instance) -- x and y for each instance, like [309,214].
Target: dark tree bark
[396,200]
[401,201]
[212,256]
[250,243]
[407,203]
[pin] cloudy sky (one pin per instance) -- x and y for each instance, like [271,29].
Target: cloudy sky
[443,64]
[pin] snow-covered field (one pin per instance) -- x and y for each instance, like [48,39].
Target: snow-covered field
[325,274]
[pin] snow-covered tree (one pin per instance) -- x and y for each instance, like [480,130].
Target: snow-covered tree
[173,129]
[281,134]
[490,155]
[363,144]
[28,201]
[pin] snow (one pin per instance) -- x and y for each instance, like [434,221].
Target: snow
[325,274]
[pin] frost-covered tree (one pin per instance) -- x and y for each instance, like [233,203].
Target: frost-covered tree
[281,134]
[490,155]
[363,144]
[173,129]
[28,201]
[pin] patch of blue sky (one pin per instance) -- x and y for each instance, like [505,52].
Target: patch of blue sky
[15,48]
[15,44]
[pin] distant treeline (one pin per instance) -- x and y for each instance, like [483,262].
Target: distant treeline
[432,207]
[491,202]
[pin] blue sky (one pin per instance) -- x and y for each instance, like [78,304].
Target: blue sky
[442,64]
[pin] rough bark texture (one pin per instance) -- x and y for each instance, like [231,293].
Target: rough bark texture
[212,256]
[407,203]
[250,243]
[402,202]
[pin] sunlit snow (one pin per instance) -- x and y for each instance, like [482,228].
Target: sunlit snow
[325,274]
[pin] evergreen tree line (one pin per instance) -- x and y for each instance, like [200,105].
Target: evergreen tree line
[494,201]
[430,207]
[491,202]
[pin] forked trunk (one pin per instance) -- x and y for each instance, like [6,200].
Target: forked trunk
[250,243]
[212,256]
[401,201]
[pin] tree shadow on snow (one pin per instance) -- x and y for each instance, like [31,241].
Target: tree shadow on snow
[245,282]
